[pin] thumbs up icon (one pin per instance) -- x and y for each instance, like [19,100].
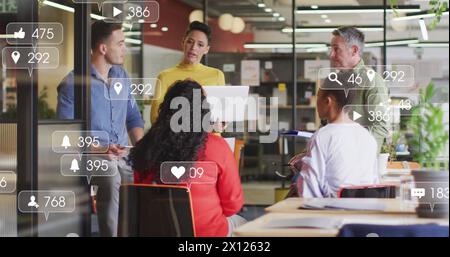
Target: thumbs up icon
[19,34]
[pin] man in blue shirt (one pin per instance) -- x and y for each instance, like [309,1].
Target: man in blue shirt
[119,118]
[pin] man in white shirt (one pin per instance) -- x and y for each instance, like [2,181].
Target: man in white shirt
[339,154]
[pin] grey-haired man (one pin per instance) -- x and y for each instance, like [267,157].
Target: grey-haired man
[347,46]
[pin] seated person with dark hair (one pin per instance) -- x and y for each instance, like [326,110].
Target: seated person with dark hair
[214,205]
[342,153]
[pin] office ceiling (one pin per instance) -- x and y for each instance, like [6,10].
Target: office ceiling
[258,19]
[268,28]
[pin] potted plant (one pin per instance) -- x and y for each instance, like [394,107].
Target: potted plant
[388,152]
[430,139]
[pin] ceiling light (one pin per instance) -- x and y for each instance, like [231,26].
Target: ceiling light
[196,15]
[238,25]
[324,16]
[261,5]
[59,6]
[356,9]
[331,29]
[276,14]
[7,36]
[132,33]
[268,10]
[164,29]
[430,44]
[423,29]
[314,7]
[133,41]
[153,25]
[392,42]
[327,21]
[418,15]
[317,50]
[281,19]
[226,21]
[282,45]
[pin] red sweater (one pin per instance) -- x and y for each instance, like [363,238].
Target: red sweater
[212,203]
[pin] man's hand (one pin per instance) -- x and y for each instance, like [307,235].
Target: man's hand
[115,152]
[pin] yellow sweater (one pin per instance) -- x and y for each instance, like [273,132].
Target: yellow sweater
[204,75]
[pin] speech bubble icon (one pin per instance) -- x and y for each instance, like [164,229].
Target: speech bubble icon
[131,12]
[46,201]
[139,89]
[188,173]
[80,141]
[88,165]
[338,79]
[8,180]
[30,58]
[35,33]
[418,192]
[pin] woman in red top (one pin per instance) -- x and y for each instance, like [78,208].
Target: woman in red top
[214,204]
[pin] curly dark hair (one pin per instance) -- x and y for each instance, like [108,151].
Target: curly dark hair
[200,26]
[161,143]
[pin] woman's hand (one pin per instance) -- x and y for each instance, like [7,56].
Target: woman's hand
[296,162]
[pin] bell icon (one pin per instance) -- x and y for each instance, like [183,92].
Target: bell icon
[74,166]
[66,142]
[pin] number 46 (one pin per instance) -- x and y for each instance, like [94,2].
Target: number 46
[355,80]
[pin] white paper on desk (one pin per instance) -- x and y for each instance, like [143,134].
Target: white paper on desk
[299,133]
[305,134]
[231,142]
[327,223]
[344,204]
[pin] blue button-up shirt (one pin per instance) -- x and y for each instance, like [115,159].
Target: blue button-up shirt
[110,113]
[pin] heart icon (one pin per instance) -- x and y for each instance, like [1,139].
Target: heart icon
[178,172]
[118,87]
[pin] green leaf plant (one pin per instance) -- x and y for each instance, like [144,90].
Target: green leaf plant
[428,128]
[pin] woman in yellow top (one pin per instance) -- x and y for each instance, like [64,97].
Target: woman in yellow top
[196,43]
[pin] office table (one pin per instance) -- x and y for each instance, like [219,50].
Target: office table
[257,227]
[392,206]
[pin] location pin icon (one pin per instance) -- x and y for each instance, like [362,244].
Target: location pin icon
[15,56]
[370,75]
[118,87]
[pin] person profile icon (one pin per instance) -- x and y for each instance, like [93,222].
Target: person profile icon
[33,202]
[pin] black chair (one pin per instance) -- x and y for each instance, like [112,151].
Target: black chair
[369,191]
[155,210]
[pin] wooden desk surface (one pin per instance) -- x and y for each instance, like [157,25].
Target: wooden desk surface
[393,206]
[256,228]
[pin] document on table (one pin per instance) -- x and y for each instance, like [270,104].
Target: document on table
[323,223]
[343,204]
[231,142]
[298,133]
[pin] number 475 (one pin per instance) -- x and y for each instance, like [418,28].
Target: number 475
[41,33]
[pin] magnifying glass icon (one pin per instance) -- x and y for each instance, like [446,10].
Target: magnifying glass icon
[332,76]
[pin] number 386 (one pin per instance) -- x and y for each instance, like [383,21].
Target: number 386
[378,116]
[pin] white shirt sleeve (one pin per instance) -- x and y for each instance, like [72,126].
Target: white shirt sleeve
[313,182]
